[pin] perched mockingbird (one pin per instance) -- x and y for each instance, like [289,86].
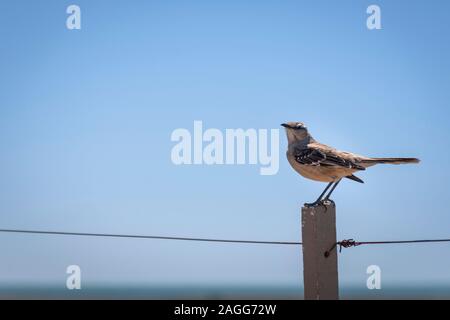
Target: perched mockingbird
[320,162]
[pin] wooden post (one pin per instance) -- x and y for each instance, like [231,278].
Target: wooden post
[320,273]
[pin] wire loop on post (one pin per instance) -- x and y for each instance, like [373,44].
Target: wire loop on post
[344,243]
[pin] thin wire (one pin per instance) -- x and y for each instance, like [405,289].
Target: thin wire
[352,243]
[342,244]
[403,241]
[110,235]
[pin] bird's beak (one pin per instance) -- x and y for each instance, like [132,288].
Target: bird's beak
[284,125]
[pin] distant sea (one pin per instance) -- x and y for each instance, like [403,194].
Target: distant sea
[192,292]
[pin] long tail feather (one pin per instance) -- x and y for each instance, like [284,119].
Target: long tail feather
[354,178]
[392,160]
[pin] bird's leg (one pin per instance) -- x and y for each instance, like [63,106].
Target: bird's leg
[319,200]
[327,198]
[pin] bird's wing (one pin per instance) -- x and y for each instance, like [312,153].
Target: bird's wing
[315,154]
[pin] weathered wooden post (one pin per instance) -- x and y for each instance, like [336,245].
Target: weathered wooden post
[320,273]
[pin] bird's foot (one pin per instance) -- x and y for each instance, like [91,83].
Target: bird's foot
[321,202]
[313,204]
[327,201]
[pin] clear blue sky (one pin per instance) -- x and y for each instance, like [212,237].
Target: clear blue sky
[86,118]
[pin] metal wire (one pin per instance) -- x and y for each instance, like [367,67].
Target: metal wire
[110,235]
[352,243]
[342,244]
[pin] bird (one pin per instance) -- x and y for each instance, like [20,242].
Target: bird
[316,161]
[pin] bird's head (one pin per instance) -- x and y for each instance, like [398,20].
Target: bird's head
[296,131]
